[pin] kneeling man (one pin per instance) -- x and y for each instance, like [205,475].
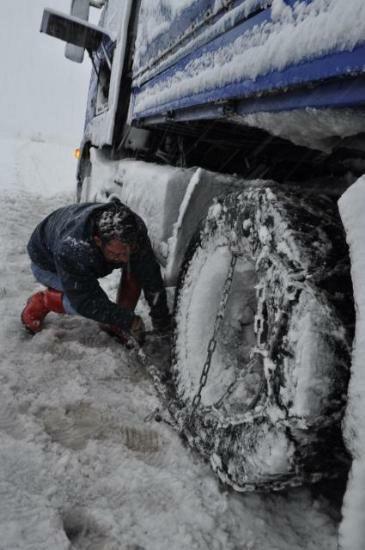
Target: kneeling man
[78,244]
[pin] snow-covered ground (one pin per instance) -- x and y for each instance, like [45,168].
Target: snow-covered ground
[80,467]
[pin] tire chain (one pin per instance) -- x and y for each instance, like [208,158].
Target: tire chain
[173,421]
[184,425]
[170,414]
[213,340]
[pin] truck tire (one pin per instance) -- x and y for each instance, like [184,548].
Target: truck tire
[267,410]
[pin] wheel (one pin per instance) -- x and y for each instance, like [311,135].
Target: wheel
[265,404]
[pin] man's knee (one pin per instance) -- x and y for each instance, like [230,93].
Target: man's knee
[46,278]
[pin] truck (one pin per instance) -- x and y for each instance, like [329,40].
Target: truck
[232,127]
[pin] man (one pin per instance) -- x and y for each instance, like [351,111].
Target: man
[75,246]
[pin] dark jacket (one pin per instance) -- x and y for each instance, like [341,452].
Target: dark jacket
[63,243]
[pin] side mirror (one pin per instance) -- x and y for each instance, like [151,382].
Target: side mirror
[80,9]
[72,30]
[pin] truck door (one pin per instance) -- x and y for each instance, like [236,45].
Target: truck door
[107,72]
[106,45]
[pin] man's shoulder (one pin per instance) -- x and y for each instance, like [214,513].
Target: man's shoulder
[79,253]
[73,245]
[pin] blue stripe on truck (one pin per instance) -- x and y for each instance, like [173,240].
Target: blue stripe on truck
[331,66]
[346,92]
[192,22]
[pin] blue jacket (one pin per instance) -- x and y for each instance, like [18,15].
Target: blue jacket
[63,244]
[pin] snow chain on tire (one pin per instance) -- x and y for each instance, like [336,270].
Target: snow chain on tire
[213,341]
[297,246]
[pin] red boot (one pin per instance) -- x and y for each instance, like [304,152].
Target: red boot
[53,300]
[38,306]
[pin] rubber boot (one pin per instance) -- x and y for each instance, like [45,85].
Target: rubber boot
[53,300]
[38,306]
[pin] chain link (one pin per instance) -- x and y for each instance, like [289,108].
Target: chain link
[213,341]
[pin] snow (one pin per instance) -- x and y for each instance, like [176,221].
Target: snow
[296,33]
[352,531]
[314,128]
[200,192]
[154,21]
[79,465]
[41,158]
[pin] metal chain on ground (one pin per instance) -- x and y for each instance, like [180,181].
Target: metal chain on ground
[213,341]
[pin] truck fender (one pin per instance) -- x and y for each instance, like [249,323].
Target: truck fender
[203,187]
[153,191]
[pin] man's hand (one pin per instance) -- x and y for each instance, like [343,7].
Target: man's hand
[114,330]
[137,329]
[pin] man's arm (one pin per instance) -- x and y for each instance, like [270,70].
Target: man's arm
[88,298]
[146,269]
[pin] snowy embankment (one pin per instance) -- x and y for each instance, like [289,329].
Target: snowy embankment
[352,531]
[79,465]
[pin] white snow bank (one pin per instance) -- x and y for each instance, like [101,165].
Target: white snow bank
[39,166]
[297,33]
[352,530]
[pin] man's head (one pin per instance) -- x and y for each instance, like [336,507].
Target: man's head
[116,232]
[114,251]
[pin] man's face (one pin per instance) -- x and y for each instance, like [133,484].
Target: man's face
[115,251]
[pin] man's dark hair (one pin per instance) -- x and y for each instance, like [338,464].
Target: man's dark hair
[116,221]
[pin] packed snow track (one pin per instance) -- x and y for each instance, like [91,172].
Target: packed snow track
[80,467]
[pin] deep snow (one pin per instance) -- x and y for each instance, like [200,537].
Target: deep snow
[78,462]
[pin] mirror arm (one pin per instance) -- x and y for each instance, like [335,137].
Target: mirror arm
[93,64]
[108,60]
